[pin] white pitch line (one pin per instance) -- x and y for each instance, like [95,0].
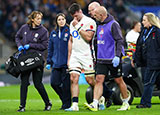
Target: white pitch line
[35,100]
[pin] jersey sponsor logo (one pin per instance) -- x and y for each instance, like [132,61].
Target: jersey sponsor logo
[100,42]
[35,39]
[75,34]
[65,36]
[65,39]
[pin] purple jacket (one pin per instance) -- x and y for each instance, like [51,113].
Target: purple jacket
[110,41]
[37,38]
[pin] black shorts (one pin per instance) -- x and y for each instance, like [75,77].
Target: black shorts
[104,69]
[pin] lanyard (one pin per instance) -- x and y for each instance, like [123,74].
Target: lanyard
[145,37]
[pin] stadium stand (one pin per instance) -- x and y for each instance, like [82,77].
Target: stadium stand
[13,13]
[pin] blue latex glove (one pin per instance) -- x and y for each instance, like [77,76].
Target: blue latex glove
[20,48]
[115,61]
[26,47]
[48,66]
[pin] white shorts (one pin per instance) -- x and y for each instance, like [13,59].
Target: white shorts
[79,63]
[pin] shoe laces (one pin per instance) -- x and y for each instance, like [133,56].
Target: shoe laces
[48,107]
[92,106]
[124,105]
[101,100]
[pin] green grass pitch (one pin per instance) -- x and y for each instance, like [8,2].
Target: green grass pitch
[9,102]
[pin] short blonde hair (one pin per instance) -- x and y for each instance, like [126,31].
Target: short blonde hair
[153,19]
[32,16]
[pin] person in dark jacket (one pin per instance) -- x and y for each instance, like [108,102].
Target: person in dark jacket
[57,59]
[148,55]
[33,37]
[109,53]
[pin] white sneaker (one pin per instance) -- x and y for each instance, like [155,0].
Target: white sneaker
[101,103]
[72,108]
[124,107]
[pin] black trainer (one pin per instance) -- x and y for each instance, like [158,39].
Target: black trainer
[142,106]
[21,109]
[48,107]
[108,102]
[64,107]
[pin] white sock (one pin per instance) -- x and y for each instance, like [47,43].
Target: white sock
[95,103]
[125,100]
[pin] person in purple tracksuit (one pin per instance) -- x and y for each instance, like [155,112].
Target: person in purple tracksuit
[31,37]
[107,92]
[110,50]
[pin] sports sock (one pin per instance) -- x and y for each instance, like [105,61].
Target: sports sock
[95,103]
[125,100]
[75,99]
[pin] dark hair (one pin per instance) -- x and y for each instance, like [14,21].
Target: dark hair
[74,8]
[56,24]
[134,24]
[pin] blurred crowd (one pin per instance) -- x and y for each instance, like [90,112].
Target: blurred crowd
[13,13]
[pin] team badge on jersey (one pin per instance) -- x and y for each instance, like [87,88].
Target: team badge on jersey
[66,35]
[54,35]
[101,32]
[36,35]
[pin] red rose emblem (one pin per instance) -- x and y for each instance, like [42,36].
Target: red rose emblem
[66,30]
[153,34]
[91,27]
[81,25]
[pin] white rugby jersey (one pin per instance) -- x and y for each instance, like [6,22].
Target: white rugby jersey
[79,46]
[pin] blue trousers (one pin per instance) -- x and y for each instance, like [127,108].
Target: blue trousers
[149,81]
[60,82]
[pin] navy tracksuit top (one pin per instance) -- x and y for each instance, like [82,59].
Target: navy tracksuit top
[58,47]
